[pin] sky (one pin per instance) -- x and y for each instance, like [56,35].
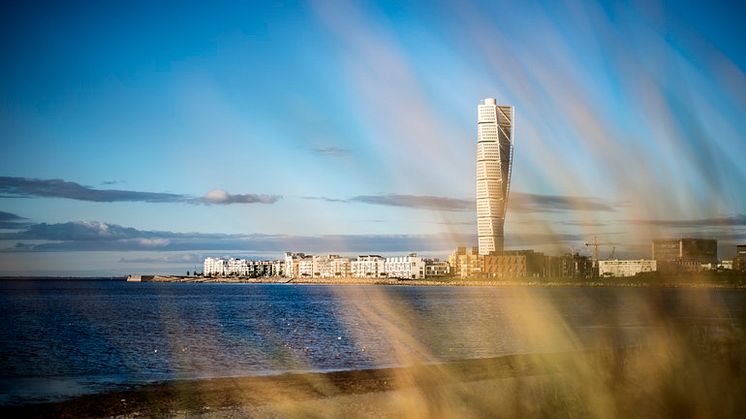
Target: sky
[140,137]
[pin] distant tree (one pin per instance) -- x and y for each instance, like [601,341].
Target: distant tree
[187,273]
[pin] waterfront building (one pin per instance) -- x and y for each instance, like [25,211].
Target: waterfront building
[305,267]
[514,264]
[222,267]
[625,268]
[552,267]
[466,262]
[569,265]
[368,266]
[265,268]
[278,268]
[725,265]
[405,267]
[436,268]
[237,267]
[214,267]
[739,261]
[686,254]
[576,266]
[495,129]
[293,262]
[331,266]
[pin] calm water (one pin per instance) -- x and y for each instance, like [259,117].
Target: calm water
[64,338]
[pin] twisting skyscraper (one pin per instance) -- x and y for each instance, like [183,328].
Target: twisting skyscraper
[495,127]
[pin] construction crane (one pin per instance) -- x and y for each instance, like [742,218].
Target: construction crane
[595,244]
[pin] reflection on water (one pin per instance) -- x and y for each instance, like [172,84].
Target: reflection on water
[66,338]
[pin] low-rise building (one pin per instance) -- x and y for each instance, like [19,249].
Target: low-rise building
[305,267]
[368,266]
[278,268]
[405,267]
[684,255]
[466,262]
[293,261]
[222,267]
[238,267]
[266,268]
[625,268]
[569,265]
[739,261]
[514,264]
[215,267]
[436,268]
[725,265]
[331,266]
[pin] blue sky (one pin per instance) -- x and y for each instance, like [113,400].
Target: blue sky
[145,136]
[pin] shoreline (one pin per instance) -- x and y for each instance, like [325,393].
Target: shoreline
[704,281]
[202,395]
[511,283]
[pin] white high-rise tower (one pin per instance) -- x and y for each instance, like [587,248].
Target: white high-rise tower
[495,127]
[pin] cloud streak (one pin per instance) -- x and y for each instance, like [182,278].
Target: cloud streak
[221,197]
[167,259]
[527,203]
[10,221]
[518,202]
[18,187]
[429,202]
[438,203]
[98,236]
[738,220]
[331,151]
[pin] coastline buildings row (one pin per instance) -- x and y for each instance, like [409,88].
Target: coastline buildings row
[668,256]
[301,265]
[469,263]
[531,264]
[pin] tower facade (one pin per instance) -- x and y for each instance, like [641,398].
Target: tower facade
[495,128]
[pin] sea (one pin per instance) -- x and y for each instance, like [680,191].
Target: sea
[64,338]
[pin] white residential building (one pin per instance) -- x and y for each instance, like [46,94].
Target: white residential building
[237,267]
[466,262]
[241,267]
[293,262]
[331,266]
[623,268]
[725,264]
[278,268]
[368,266]
[301,265]
[305,267]
[215,267]
[405,267]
